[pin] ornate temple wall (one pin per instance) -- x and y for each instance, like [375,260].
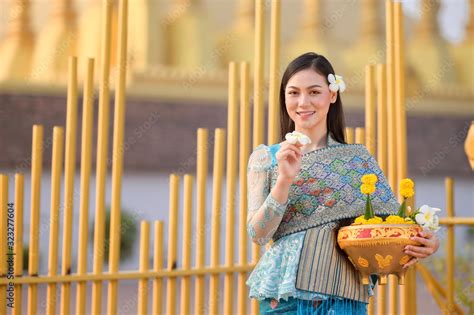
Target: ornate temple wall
[161,135]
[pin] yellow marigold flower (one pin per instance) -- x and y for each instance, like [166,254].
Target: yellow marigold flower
[394,219]
[406,183]
[367,189]
[360,220]
[407,192]
[375,220]
[370,179]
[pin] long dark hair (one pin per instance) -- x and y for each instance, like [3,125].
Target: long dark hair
[335,117]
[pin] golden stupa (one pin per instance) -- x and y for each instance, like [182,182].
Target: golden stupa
[191,41]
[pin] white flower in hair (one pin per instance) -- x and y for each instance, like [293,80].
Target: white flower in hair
[336,83]
[295,136]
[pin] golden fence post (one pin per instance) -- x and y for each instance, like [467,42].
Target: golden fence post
[218,173]
[450,252]
[102,149]
[408,297]
[360,135]
[201,173]
[187,239]
[413,294]
[258,100]
[382,158]
[393,294]
[392,141]
[69,174]
[370,132]
[411,290]
[157,266]
[391,138]
[3,240]
[231,167]
[143,283]
[400,92]
[258,77]
[18,247]
[349,135]
[172,241]
[382,117]
[369,137]
[117,155]
[371,305]
[411,273]
[86,156]
[400,119]
[273,103]
[254,306]
[370,108]
[244,153]
[56,167]
[360,139]
[33,253]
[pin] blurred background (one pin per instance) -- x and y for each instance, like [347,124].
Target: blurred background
[177,68]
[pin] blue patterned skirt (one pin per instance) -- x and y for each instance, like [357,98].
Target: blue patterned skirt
[330,306]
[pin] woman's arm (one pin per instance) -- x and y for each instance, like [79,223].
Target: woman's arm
[265,207]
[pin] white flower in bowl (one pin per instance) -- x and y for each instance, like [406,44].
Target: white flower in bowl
[427,218]
[295,136]
[434,226]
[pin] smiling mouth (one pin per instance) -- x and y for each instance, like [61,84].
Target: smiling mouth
[305,113]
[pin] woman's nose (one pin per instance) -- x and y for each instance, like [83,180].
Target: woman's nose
[303,99]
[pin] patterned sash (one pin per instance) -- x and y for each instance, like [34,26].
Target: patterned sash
[327,188]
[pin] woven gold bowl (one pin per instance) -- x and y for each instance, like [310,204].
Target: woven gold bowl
[378,248]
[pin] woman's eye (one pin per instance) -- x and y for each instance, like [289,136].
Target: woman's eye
[292,92]
[314,92]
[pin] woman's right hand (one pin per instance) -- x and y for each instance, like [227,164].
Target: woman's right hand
[289,161]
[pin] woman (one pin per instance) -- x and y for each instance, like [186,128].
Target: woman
[300,194]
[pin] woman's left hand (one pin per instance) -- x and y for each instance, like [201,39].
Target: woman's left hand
[429,245]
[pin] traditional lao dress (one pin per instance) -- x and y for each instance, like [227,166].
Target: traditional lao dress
[304,271]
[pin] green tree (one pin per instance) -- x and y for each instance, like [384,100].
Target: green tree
[128,234]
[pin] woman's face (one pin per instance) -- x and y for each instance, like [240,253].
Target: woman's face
[307,99]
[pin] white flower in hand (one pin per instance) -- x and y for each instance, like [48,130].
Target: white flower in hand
[336,83]
[427,218]
[295,136]
[434,224]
